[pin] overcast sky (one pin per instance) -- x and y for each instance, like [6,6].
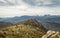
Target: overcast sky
[10,8]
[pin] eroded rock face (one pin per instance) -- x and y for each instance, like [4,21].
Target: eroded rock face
[51,34]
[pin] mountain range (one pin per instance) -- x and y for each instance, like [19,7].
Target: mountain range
[30,28]
[46,18]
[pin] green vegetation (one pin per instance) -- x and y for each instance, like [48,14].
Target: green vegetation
[26,29]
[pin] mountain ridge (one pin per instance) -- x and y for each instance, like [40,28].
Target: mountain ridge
[29,28]
[26,29]
[39,18]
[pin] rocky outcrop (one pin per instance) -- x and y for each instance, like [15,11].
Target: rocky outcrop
[51,34]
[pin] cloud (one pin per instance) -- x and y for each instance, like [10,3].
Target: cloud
[26,10]
[6,3]
[10,2]
[23,8]
[49,3]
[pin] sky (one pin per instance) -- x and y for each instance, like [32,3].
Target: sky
[11,8]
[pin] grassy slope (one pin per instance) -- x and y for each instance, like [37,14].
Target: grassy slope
[27,29]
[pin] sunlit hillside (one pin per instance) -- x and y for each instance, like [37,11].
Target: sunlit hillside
[26,29]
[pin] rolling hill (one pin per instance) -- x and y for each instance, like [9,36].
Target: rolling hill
[26,29]
[31,28]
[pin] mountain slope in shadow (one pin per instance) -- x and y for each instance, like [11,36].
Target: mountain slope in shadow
[5,24]
[52,25]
